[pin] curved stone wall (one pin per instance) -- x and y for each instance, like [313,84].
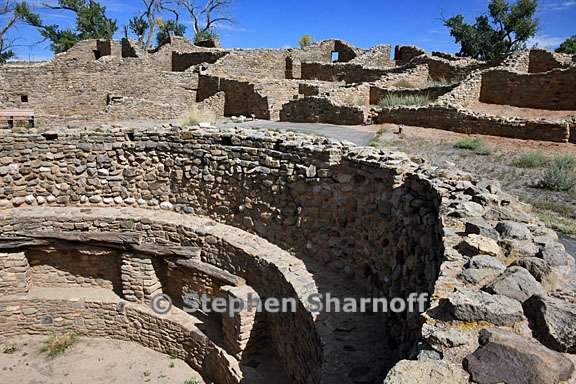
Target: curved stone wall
[263,265]
[386,224]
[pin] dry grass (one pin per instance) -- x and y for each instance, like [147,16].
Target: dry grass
[57,344]
[197,116]
[404,84]
[392,100]
[530,160]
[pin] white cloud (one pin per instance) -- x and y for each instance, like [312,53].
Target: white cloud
[558,5]
[545,41]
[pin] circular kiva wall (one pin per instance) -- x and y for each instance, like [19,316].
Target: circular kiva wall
[232,211]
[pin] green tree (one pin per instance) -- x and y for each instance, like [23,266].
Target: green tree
[505,29]
[138,25]
[306,41]
[167,29]
[91,23]
[8,18]
[568,46]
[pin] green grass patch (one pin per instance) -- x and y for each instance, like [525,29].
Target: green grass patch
[560,174]
[557,215]
[394,100]
[191,381]
[530,160]
[58,344]
[474,144]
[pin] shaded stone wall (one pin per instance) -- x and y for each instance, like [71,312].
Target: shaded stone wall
[551,90]
[542,60]
[81,267]
[378,93]
[403,54]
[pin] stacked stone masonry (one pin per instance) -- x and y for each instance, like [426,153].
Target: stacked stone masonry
[385,224]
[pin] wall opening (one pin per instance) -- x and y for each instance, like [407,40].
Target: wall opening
[335,56]
[24,98]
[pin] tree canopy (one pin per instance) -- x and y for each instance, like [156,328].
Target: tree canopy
[8,18]
[91,23]
[568,46]
[505,29]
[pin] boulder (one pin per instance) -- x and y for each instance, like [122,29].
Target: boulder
[425,372]
[472,305]
[538,268]
[473,245]
[556,255]
[553,322]
[505,357]
[516,283]
[513,230]
[484,261]
[479,276]
[477,226]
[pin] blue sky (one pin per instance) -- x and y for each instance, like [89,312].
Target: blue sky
[277,24]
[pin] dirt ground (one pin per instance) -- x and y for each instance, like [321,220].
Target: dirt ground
[90,361]
[556,209]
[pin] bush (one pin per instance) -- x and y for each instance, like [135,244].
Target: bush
[9,349]
[392,100]
[560,175]
[440,82]
[58,344]
[475,144]
[197,116]
[207,38]
[191,381]
[306,41]
[530,160]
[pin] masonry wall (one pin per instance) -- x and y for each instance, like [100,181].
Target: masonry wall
[318,109]
[551,90]
[76,87]
[459,120]
[85,267]
[378,93]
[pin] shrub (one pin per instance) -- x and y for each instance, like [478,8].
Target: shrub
[58,344]
[392,100]
[530,160]
[191,381]
[197,116]
[440,82]
[474,144]
[306,41]
[206,38]
[560,175]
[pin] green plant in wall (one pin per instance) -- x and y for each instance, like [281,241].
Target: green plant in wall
[167,29]
[91,23]
[505,29]
[568,46]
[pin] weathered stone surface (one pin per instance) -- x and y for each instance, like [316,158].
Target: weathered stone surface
[556,255]
[484,261]
[425,372]
[516,283]
[513,230]
[473,245]
[481,227]
[505,357]
[471,305]
[538,268]
[553,322]
[479,276]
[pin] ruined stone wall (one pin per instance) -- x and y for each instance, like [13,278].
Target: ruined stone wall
[264,100]
[336,72]
[376,57]
[321,109]
[459,120]
[550,90]
[181,61]
[111,87]
[296,198]
[542,60]
[403,54]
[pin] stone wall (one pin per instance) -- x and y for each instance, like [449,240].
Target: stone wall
[460,120]
[550,90]
[345,72]
[319,109]
[257,261]
[433,93]
[542,60]
[81,267]
[75,87]
[403,54]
